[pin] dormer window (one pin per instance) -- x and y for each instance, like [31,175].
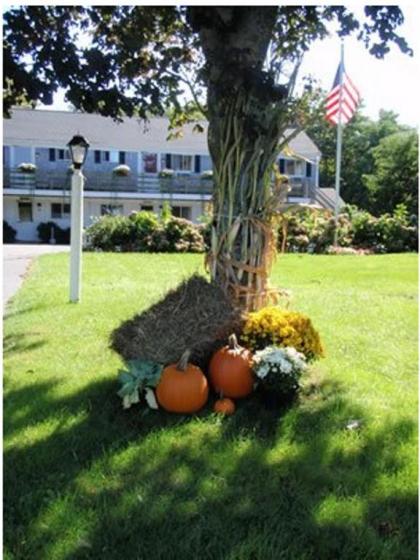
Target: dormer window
[292,167]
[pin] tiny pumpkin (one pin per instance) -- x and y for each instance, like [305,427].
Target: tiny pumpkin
[224,406]
[230,370]
[183,387]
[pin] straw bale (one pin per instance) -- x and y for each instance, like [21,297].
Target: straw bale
[196,315]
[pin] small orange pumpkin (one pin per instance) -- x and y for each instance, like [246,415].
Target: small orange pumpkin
[182,387]
[230,370]
[224,406]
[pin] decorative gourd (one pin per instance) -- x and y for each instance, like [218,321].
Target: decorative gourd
[182,387]
[224,406]
[230,370]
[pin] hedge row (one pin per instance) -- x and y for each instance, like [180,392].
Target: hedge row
[144,232]
[46,229]
[308,230]
[303,230]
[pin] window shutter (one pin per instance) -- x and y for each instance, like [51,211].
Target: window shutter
[197,164]
[308,169]
[168,164]
[122,158]
[97,156]
[52,154]
[281,164]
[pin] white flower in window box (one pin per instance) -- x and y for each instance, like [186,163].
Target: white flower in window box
[207,175]
[27,167]
[166,173]
[121,170]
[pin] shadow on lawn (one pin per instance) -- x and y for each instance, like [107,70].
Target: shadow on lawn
[219,489]
[14,344]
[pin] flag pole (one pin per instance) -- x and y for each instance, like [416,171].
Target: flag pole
[339,142]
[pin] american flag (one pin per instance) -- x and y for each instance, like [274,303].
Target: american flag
[350,98]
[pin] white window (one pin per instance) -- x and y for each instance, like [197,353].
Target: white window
[63,154]
[112,209]
[182,163]
[294,168]
[59,210]
[206,164]
[21,155]
[181,212]
[25,211]
[114,156]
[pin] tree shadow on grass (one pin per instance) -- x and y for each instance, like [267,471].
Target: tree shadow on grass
[18,343]
[257,485]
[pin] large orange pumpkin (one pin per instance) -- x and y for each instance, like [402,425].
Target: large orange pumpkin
[182,387]
[230,370]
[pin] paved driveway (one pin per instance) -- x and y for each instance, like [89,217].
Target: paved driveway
[16,260]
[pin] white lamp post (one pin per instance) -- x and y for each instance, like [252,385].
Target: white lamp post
[78,147]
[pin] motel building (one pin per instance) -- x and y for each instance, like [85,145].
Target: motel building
[40,192]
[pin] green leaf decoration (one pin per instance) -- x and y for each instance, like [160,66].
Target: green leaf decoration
[139,375]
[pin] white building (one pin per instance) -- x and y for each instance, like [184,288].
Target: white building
[40,137]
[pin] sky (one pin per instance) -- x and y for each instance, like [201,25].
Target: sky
[391,83]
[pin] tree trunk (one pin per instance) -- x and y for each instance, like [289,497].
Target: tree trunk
[246,120]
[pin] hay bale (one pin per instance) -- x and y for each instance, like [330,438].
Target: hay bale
[196,315]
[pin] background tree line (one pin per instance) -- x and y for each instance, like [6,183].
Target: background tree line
[379,165]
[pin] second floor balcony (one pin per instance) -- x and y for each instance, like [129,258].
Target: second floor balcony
[192,184]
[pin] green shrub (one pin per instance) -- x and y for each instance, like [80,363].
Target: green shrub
[143,232]
[396,232]
[61,236]
[9,233]
[312,230]
[143,225]
[110,233]
[183,236]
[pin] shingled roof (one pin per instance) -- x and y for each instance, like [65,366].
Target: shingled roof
[46,128]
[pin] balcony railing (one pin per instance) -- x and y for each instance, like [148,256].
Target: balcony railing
[100,181]
[301,187]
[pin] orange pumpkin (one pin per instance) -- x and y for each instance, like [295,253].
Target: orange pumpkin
[182,387]
[230,370]
[224,406]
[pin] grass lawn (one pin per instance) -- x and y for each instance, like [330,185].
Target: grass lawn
[85,479]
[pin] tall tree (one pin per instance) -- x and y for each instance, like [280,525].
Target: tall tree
[395,176]
[136,61]
[361,136]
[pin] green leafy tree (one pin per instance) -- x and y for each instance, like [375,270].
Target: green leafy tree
[240,66]
[395,175]
[360,137]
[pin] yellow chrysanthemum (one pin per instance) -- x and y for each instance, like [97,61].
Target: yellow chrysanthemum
[272,325]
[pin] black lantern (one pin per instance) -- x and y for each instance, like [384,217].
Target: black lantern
[78,147]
